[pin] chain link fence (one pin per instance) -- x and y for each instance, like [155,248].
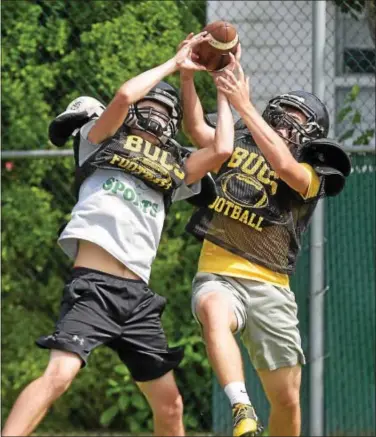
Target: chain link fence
[55,51]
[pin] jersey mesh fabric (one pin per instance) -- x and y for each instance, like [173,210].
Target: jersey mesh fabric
[269,226]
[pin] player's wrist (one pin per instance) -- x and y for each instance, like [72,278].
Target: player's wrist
[245,108]
[173,65]
[186,75]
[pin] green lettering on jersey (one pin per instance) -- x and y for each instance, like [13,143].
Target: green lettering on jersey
[116,187]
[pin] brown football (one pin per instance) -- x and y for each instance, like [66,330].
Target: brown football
[214,54]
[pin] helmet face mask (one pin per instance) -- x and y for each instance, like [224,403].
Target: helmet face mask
[150,119]
[278,116]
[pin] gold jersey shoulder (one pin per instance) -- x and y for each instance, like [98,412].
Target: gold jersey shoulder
[314,184]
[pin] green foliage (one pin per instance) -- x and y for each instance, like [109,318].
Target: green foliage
[352,115]
[126,401]
[54,51]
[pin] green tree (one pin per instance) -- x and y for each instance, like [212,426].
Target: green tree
[52,53]
[351,115]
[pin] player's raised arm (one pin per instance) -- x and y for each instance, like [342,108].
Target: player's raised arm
[271,144]
[208,159]
[198,131]
[194,124]
[137,87]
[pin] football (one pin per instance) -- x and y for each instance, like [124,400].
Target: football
[214,54]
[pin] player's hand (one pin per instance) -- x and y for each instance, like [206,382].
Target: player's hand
[185,59]
[232,66]
[235,60]
[235,88]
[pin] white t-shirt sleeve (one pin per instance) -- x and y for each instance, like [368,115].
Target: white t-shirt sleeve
[86,148]
[185,191]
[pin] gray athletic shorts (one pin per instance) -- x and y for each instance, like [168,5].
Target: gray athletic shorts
[266,316]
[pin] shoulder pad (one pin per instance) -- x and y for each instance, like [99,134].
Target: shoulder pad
[334,180]
[63,126]
[78,113]
[325,152]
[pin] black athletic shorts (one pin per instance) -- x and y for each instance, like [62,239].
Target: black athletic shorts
[98,308]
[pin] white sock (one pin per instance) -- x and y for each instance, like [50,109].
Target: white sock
[237,393]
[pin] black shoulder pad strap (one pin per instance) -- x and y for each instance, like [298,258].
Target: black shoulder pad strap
[175,147]
[240,125]
[62,127]
[325,152]
[207,195]
[211,119]
[184,153]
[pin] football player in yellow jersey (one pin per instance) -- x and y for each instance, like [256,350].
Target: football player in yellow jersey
[266,194]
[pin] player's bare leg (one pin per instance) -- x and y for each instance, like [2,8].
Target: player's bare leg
[282,388]
[218,324]
[167,405]
[35,400]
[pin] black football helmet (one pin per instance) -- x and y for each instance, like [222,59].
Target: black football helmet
[316,126]
[155,122]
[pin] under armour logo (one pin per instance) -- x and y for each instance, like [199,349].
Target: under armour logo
[78,339]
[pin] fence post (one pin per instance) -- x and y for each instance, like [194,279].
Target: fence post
[317,280]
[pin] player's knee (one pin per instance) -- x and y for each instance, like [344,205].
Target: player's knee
[57,378]
[288,399]
[170,412]
[213,311]
[57,381]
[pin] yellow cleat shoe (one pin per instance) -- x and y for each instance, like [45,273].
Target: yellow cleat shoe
[245,421]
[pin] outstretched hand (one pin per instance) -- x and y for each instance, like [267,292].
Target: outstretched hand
[185,59]
[234,60]
[236,89]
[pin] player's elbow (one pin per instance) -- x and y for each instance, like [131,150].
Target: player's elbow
[221,156]
[123,97]
[223,149]
[224,154]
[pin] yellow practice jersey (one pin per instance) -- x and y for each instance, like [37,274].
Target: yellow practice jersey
[215,259]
